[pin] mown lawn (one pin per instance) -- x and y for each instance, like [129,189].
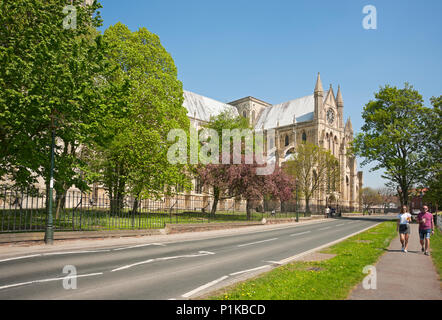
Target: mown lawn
[436,250]
[326,280]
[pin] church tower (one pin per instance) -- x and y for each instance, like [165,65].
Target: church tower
[250,108]
[319,98]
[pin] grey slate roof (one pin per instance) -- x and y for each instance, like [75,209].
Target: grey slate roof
[203,107]
[302,108]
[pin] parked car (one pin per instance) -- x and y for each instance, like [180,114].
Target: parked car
[414,214]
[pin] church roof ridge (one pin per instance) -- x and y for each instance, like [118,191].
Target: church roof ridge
[202,107]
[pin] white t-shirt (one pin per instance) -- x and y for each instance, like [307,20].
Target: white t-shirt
[403,217]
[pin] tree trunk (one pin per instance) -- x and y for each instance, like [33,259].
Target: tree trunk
[60,201]
[307,205]
[135,208]
[216,193]
[248,209]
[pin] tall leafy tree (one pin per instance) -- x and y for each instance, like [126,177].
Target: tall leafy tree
[433,132]
[314,170]
[145,103]
[393,137]
[48,72]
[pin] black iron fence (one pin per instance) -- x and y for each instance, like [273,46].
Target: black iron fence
[78,211]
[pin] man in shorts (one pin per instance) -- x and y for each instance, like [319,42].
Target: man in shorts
[426,226]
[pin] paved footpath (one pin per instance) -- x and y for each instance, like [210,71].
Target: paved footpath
[403,276]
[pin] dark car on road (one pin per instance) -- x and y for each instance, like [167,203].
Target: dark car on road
[414,214]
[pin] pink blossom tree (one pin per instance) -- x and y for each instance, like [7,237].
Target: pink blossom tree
[241,180]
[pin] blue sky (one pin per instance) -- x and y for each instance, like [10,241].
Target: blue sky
[273,50]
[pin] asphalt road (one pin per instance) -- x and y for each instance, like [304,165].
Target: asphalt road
[166,270]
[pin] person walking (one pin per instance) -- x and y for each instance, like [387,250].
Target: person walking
[403,226]
[426,229]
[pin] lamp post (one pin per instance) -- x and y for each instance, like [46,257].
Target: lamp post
[49,234]
[297,199]
[296,186]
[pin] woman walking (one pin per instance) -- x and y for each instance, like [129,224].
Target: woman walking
[403,226]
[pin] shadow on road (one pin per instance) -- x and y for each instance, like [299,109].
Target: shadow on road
[370,218]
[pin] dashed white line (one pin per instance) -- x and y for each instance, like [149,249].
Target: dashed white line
[199,254]
[48,280]
[73,252]
[139,246]
[324,228]
[338,225]
[23,257]
[251,243]
[79,252]
[207,285]
[298,234]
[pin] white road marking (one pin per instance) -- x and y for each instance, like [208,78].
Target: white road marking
[53,254]
[72,252]
[48,280]
[139,246]
[23,257]
[207,285]
[324,228]
[200,254]
[340,224]
[249,270]
[273,262]
[249,244]
[297,234]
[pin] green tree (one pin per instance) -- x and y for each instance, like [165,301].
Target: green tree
[315,170]
[392,137]
[145,103]
[47,78]
[433,132]
[370,197]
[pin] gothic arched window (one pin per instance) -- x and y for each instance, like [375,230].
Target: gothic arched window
[304,137]
[244,114]
[286,140]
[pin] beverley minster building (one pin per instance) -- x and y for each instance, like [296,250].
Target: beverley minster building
[317,118]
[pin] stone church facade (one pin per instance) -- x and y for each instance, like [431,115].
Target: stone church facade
[316,118]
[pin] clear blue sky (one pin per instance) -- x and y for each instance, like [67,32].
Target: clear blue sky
[272,50]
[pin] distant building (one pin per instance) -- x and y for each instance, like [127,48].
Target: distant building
[417,198]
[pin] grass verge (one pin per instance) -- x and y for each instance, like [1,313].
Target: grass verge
[436,250]
[324,280]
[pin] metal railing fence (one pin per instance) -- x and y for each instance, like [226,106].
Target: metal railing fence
[22,211]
